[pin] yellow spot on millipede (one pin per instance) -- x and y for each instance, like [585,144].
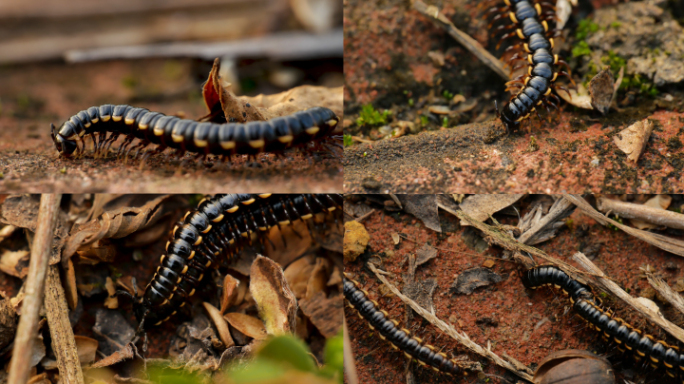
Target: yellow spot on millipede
[227,145]
[256,143]
[312,130]
[286,139]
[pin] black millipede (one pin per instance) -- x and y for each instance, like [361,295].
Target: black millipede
[104,124]
[530,22]
[626,336]
[216,231]
[399,338]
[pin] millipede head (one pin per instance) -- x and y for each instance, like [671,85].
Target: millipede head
[64,146]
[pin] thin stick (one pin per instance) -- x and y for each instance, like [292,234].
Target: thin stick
[599,279]
[652,215]
[35,284]
[349,362]
[668,293]
[468,42]
[446,328]
[63,342]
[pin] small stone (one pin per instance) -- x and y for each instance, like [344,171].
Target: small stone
[439,109]
[356,240]
[489,263]
[371,183]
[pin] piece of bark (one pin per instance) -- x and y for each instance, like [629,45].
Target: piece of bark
[634,138]
[324,313]
[657,216]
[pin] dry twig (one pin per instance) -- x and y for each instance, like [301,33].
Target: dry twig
[661,217]
[35,283]
[449,330]
[668,293]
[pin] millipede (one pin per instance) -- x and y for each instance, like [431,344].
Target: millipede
[626,336]
[388,329]
[104,124]
[530,21]
[216,231]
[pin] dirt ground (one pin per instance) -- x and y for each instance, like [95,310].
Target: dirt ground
[527,325]
[398,60]
[33,96]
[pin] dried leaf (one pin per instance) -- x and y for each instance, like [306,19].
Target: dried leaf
[8,323]
[249,325]
[395,238]
[232,108]
[601,90]
[220,324]
[297,274]
[300,98]
[22,211]
[474,278]
[658,202]
[424,207]
[324,313]
[633,140]
[480,207]
[318,278]
[15,263]
[112,301]
[579,98]
[112,330]
[230,292]
[276,301]
[114,224]
[87,349]
[71,289]
[421,292]
[125,353]
[425,254]
[335,277]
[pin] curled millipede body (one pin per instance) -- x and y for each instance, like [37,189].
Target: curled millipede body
[214,232]
[530,22]
[399,338]
[626,336]
[204,138]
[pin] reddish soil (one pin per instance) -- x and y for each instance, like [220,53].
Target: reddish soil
[527,325]
[392,62]
[33,96]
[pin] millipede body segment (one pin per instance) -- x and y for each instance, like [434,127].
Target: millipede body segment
[206,138]
[627,337]
[217,230]
[530,22]
[388,329]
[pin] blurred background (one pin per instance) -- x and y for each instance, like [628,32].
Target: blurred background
[58,57]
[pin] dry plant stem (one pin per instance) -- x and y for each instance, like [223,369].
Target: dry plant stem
[599,279]
[559,209]
[642,212]
[446,328]
[668,293]
[63,342]
[349,365]
[669,244]
[468,42]
[35,283]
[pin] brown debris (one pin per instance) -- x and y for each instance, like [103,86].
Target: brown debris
[8,323]
[15,263]
[425,254]
[220,324]
[123,354]
[601,90]
[248,325]
[574,367]
[474,278]
[356,239]
[229,293]
[324,313]
[276,302]
[634,138]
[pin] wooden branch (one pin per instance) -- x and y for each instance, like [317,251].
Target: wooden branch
[349,361]
[661,217]
[666,291]
[598,278]
[449,330]
[466,41]
[669,244]
[34,288]
[63,342]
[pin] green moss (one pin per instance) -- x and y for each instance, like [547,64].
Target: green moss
[581,49]
[445,122]
[371,117]
[447,95]
[615,24]
[347,140]
[585,28]
[129,82]
[423,120]
[410,102]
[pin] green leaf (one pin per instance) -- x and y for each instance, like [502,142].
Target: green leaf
[287,350]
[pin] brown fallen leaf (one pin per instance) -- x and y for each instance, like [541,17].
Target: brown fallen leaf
[633,139]
[297,274]
[220,324]
[15,263]
[579,98]
[275,300]
[229,106]
[481,207]
[318,278]
[425,254]
[86,348]
[114,224]
[112,301]
[300,98]
[249,325]
[70,285]
[229,293]
[601,90]
[324,313]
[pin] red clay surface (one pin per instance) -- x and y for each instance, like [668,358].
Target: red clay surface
[527,325]
[389,51]
[33,96]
